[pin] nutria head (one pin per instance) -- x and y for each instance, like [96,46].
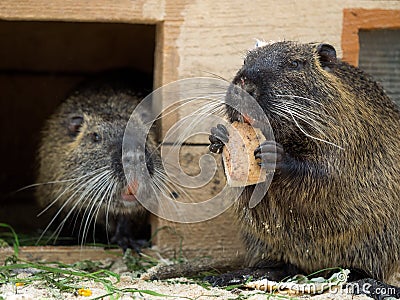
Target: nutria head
[80,156]
[293,84]
[311,96]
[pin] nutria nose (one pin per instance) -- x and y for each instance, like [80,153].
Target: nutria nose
[252,71]
[247,85]
[132,158]
[132,154]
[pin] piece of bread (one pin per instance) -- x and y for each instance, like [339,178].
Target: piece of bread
[241,167]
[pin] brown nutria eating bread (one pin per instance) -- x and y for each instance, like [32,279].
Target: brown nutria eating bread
[334,200]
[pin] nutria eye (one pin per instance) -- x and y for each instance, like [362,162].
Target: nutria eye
[96,137]
[295,65]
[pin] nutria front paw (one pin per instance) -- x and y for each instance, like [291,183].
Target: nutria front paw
[271,155]
[218,137]
[124,236]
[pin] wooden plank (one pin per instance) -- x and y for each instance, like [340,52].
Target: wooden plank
[217,238]
[61,254]
[355,19]
[138,11]
[167,58]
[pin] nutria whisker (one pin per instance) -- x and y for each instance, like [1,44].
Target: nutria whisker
[68,188]
[102,187]
[167,184]
[210,98]
[313,123]
[108,191]
[91,192]
[86,193]
[316,113]
[214,106]
[312,112]
[216,76]
[298,111]
[196,117]
[71,202]
[309,135]
[162,185]
[307,115]
[55,181]
[299,97]
[108,207]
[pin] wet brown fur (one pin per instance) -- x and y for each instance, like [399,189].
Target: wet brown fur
[340,207]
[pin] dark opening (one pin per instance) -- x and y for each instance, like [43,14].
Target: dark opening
[380,57]
[40,62]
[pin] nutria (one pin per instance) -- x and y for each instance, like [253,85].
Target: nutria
[80,157]
[334,200]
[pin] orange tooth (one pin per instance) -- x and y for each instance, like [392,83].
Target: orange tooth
[133,187]
[247,119]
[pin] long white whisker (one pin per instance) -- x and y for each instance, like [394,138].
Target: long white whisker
[300,108]
[86,193]
[196,117]
[164,182]
[299,97]
[69,187]
[314,124]
[78,188]
[186,101]
[310,136]
[98,186]
[94,209]
[109,203]
[111,192]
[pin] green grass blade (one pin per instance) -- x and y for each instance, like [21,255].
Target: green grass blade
[16,240]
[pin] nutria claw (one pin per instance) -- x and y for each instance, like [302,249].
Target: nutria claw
[125,235]
[274,271]
[225,280]
[270,153]
[218,137]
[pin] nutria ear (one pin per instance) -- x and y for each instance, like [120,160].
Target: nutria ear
[327,56]
[74,125]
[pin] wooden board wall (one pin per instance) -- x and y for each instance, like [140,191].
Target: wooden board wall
[356,19]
